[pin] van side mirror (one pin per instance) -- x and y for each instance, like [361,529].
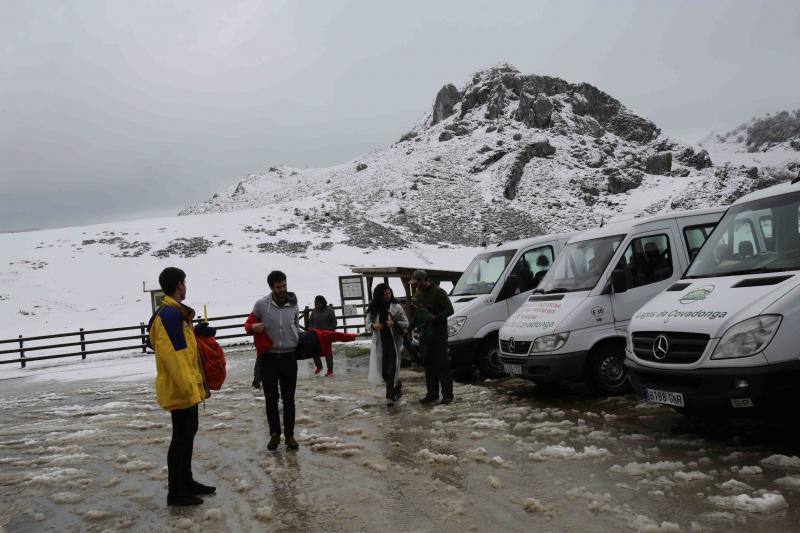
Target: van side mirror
[619,282]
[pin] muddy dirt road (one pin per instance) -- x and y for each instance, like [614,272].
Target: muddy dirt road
[505,456]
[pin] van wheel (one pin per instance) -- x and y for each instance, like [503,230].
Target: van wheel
[608,372]
[488,359]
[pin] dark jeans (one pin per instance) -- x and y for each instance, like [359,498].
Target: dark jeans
[279,370]
[388,363]
[437,367]
[179,457]
[328,362]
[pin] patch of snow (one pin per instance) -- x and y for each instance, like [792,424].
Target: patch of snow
[569,453]
[764,504]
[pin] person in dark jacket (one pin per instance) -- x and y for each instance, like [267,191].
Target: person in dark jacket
[323,317]
[433,307]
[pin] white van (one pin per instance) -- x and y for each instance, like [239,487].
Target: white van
[492,287]
[573,327]
[727,334]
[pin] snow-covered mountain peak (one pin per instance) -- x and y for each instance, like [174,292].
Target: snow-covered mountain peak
[505,155]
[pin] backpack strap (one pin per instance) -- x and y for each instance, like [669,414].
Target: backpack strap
[150,325]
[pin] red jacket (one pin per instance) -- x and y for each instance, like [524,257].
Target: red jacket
[327,337]
[262,340]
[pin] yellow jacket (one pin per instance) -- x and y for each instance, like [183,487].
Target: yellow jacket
[180,381]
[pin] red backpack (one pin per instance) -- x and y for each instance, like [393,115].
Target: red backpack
[213,361]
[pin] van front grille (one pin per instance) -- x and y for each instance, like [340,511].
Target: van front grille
[669,347]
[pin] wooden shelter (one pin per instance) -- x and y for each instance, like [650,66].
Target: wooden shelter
[404,273]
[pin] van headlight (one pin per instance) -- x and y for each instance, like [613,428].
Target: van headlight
[748,337]
[548,343]
[455,324]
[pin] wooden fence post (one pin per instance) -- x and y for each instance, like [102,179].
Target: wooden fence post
[21,352]
[83,346]
[144,343]
[305,317]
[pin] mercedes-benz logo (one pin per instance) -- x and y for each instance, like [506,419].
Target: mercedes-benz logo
[660,347]
[511,344]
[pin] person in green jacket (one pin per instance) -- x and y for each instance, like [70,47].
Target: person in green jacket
[433,307]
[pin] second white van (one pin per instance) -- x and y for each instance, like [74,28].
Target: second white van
[573,327]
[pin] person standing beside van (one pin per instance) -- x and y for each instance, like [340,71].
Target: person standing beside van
[433,304]
[323,317]
[276,315]
[180,384]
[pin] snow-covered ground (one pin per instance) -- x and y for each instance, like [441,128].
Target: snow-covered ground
[54,281]
[89,455]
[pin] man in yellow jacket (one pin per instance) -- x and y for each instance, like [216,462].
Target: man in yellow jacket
[180,384]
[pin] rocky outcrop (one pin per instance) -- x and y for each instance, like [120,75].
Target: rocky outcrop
[535,111]
[446,99]
[622,180]
[690,158]
[360,167]
[497,103]
[537,149]
[633,127]
[446,136]
[659,164]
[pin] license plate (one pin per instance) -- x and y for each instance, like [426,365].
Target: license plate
[669,398]
[513,369]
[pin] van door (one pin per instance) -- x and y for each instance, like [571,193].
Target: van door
[526,275]
[650,265]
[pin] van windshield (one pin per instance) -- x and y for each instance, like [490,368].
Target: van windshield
[752,238]
[580,265]
[482,273]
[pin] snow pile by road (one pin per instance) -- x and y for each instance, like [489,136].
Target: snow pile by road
[763,504]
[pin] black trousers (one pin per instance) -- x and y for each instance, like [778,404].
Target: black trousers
[388,363]
[179,456]
[437,367]
[328,362]
[279,371]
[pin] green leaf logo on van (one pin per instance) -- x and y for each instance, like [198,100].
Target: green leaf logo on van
[697,294]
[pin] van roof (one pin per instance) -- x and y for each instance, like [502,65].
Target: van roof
[521,243]
[775,190]
[626,226]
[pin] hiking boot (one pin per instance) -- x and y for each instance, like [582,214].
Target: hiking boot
[182,500]
[196,488]
[317,371]
[427,400]
[291,443]
[446,401]
[329,374]
[274,441]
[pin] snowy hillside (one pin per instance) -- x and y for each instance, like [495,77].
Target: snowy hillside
[59,280]
[505,156]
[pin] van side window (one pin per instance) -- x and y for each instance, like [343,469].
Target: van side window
[695,236]
[531,268]
[647,260]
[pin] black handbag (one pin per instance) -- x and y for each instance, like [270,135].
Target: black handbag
[308,346]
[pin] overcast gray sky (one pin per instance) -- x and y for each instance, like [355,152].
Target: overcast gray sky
[114,109]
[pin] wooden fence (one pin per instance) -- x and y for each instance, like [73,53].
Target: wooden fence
[89,342]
